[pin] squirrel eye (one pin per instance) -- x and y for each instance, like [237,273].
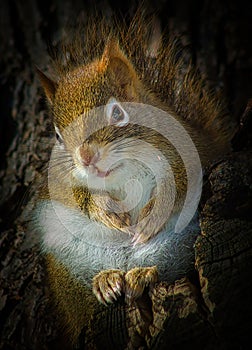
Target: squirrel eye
[116,114]
[58,135]
[58,138]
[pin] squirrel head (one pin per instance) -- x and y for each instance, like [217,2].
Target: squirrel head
[92,85]
[105,83]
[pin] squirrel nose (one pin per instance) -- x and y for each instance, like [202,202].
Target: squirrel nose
[88,156]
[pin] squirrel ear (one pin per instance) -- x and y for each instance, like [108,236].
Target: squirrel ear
[48,85]
[118,64]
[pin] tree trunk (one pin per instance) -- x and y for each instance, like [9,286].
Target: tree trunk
[212,309]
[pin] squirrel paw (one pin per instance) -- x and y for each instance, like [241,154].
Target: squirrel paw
[137,279]
[108,285]
[111,214]
[117,220]
[144,230]
[147,227]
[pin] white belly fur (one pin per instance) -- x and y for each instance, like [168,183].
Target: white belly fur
[87,247]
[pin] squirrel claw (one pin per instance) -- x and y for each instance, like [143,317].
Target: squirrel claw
[144,230]
[108,285]
[137,239]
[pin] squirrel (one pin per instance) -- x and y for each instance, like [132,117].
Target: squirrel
[110,102]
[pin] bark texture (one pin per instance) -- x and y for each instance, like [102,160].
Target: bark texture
[213,309]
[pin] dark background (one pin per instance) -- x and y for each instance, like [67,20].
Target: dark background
[217,36]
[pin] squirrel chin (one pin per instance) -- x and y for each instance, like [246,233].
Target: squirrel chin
[94,177]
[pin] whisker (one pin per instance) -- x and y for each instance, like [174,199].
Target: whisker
[61,160]
[117,145]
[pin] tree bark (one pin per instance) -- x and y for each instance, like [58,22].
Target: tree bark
[212,308]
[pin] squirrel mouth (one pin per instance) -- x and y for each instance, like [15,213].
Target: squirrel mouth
[99,173]
[103,173]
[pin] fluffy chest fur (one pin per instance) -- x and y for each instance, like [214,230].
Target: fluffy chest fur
[87,247]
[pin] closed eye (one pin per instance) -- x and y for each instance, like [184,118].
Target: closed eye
[58,135]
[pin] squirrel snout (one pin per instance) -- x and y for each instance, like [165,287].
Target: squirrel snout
[88,155]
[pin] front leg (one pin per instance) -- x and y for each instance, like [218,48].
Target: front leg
[108,211]
[155,213]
